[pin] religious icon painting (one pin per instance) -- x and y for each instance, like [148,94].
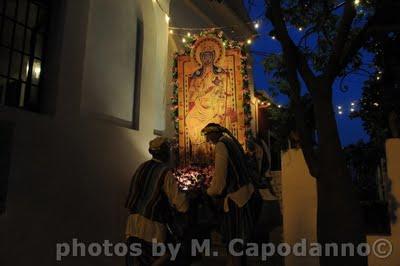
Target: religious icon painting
[209,91]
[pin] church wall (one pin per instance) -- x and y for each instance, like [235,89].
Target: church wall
[70,170]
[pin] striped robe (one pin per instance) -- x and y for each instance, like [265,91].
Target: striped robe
[153,191]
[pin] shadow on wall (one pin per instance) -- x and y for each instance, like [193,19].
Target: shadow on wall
[69,181]
[6,135]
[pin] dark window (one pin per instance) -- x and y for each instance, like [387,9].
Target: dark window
[138,74]
[23,29]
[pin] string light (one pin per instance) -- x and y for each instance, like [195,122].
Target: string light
[356,2]
[189,34]
[273,37]
[249,41]
[183,40]
[339,107]
[171,31]
[376,104]
[300,29]
[167,18]
[256,25]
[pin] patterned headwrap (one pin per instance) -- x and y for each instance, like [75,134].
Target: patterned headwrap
[210,128]
[158,143]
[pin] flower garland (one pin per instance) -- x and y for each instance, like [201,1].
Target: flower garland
[229,44]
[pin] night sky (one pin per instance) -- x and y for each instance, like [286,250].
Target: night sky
[350,130]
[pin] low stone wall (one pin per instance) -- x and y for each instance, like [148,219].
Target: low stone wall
[299,202]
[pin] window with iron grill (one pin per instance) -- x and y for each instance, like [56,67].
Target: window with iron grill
[23,29]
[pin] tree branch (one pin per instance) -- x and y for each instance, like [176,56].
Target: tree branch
[354,46]
[295,56]
[295,60]
[340,41]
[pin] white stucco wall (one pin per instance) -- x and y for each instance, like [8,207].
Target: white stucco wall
[70,171]
[110,61]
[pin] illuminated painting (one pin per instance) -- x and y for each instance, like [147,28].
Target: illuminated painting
[209,91]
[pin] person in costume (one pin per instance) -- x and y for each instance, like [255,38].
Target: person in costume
[270,217]
[153,190]
[231,184]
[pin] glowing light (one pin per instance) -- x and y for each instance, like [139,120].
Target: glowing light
[352,109]
[249,41]
[36,70]
[376,104]
[171,31]
[352,104]
[167,18]
[183,40]
[300,29]
[378,78]
[340,112]
[339,107]
[279,106]
[273,37]
[256,25]
[356,2]
[189,34]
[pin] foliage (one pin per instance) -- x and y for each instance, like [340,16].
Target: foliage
[381,96]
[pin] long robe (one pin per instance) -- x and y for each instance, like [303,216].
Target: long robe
[232,183]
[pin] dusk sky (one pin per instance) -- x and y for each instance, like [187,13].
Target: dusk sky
[350,129]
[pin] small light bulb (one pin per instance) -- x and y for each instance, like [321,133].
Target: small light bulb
[300,29]
[340,112]
[339,107]
[279,106]
[256,25]
[183,40]
[273,37]
[249,41]
[188,34]
[171,31]
[356,2]
[352,110]
[167,18]
[352,104]
[376,104]
[378,78]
